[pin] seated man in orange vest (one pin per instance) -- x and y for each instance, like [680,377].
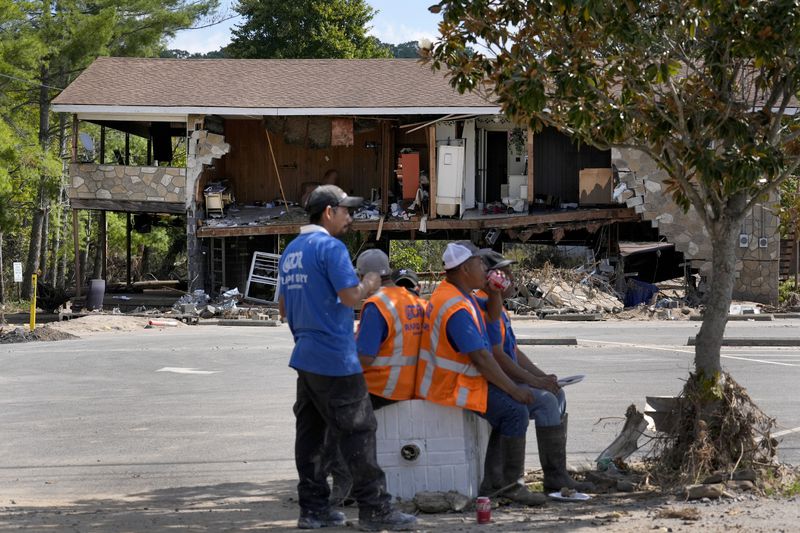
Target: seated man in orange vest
[456,366]
[549,408]
[387,343]
[389,334]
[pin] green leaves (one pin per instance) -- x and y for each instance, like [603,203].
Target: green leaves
[305,29]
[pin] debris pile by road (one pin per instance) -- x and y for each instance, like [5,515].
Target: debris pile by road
[553,290]
[24,334]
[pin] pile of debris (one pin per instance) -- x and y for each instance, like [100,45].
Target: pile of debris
[551,290]
[227,305]
[23,334]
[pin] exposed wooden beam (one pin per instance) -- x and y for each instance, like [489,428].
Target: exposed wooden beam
[431,131]
[583,216]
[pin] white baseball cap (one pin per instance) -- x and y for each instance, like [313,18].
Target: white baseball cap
[457,253]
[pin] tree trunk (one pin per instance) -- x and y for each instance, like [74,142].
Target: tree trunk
[44,246]
[97,268]
[59,218]
[40,208]
[2,276]
[62,264]
[724,236]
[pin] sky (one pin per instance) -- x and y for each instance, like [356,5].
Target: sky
[397,21]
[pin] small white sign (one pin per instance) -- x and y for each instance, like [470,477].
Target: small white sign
[17,272]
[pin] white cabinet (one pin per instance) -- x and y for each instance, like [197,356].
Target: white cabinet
[450,178]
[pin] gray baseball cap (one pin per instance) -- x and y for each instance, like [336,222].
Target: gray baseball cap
[373,260]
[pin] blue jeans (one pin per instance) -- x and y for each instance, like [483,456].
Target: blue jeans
[511,418]
[548,408]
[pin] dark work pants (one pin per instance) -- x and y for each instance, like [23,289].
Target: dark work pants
[341,404]
[333,459]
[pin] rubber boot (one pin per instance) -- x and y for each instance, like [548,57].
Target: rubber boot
[492,466]
[513,472]
[552,443]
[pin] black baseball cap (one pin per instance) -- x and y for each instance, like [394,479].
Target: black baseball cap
[405,275]
[330,195]
[495,260]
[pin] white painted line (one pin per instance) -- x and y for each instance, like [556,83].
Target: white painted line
[646,346]
[180,370]
[786,432]
[757,360]
[677,350]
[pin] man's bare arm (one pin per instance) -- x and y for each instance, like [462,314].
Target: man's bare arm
[488,367]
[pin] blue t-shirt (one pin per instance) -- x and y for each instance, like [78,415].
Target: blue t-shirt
[495,335]
[462,332]
[372,331]
[313,269]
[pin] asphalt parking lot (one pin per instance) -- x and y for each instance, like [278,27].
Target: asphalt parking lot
[124,413]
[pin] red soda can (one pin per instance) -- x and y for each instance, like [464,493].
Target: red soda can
[498,280]
[483,507]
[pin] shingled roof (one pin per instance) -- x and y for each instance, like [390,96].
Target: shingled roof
[261,85]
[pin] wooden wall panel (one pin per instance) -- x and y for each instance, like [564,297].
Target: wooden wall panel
[557,160]
[250,169]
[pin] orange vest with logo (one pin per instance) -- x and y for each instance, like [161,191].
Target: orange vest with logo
[393,372]
[444,375]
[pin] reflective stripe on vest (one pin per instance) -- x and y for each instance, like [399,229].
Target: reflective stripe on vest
[397,360]
[432,361]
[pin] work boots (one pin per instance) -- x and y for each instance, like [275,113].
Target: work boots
[552,443]
[514,471]
[493,466]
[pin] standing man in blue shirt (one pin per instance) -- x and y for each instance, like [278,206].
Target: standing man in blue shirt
[318,288]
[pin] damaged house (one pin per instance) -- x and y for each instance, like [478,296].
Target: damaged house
[431,163]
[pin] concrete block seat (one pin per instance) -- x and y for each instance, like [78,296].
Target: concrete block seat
[423,446]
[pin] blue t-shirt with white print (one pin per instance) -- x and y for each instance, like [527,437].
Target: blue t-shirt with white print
[312,270]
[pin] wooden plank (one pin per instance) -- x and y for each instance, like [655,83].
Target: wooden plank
[529,147]
[432,172]
[128,206]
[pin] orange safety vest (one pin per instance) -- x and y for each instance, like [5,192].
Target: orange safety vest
[480,293]
[393,372]
[444,375]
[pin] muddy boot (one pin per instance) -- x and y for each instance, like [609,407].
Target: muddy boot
[492,466]
[552,443]
[388,519]
[514,471]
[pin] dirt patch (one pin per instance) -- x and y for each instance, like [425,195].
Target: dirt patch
[102,323]
[44,333]
[271,508]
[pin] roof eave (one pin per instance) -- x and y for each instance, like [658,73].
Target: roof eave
[183,111]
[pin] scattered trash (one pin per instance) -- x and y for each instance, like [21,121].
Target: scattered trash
[162,323]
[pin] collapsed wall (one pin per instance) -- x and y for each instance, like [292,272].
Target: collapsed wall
[758,253]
